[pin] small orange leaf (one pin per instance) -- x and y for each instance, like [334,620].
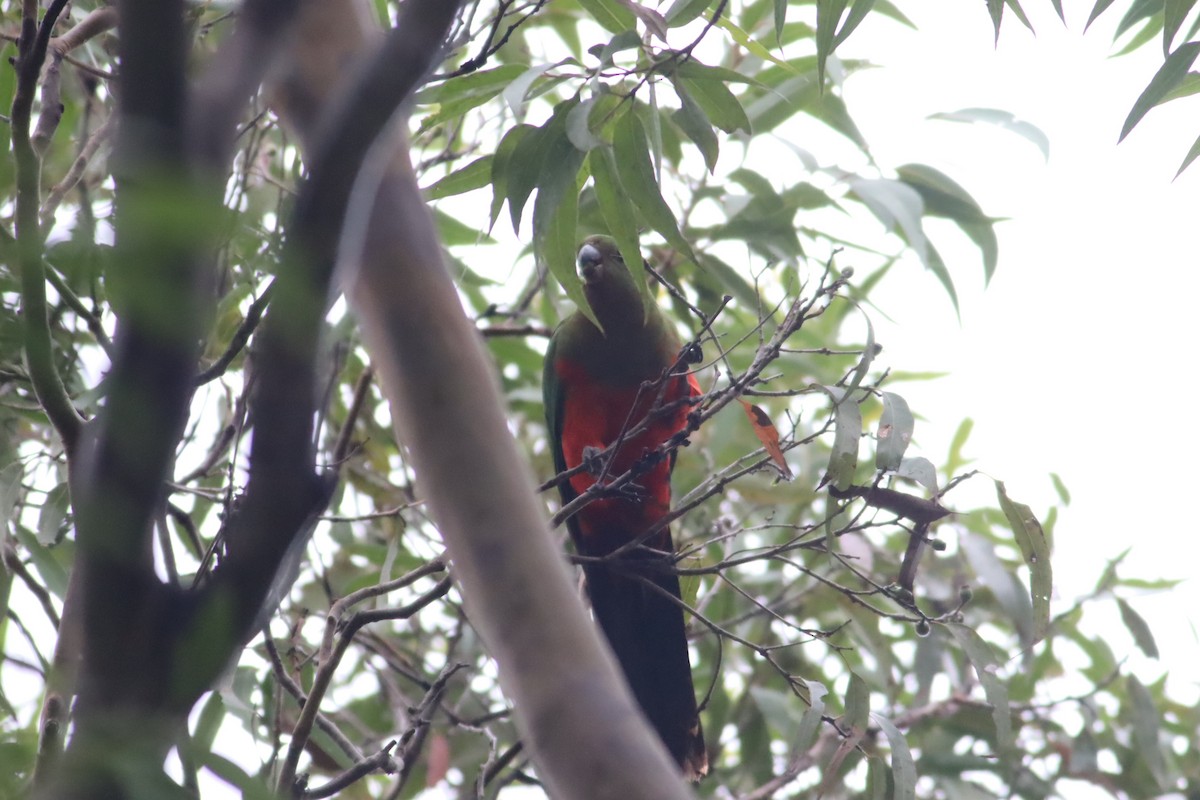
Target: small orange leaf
[766,432]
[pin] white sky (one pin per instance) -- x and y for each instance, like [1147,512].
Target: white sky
[1075,359]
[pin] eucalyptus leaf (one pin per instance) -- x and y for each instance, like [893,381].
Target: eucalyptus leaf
[1036,551]
[894,433]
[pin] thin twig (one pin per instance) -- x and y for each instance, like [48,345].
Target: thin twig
[94,325]
[331,657]
[55,197]
[290,686]
[242,335]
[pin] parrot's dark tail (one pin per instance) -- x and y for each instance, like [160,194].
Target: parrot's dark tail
[646,632]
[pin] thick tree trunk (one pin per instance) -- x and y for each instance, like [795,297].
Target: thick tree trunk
[579,721]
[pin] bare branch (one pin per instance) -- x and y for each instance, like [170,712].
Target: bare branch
[381,760]
[292,688]
[97,21]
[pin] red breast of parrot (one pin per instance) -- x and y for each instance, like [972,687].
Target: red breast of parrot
[597,386]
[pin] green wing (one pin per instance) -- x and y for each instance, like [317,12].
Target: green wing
[553,398]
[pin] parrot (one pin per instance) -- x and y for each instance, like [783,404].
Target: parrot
[598,383]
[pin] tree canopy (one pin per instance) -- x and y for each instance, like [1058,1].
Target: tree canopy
[270,478]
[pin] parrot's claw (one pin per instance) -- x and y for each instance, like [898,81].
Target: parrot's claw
[631,492]
[593,461]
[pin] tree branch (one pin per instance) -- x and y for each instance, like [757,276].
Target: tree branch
[240,337]
[98,137]
[381,760]
[151,649]
[39,347]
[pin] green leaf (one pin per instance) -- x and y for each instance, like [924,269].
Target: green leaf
[473,176]
[900,208]
[501,161]
[794,93]
[693,122]
[454,231]
[1015,5]
[955,460]
[941,195]
[831,109]
[877,779]
[778,709]
[904,769]
[514,93]
[212,714]
[858,704]
[712,96]
[1146,717]
[996,12]
[1190,157]
[618,214]
[935,264]
[524,165]
[829,14]
[1064,495]
[1187,87]
[733,281]
[1173,70]
[579,130]
[556,214]
[847,431]
[858,12]
[1138,628]
[894,432]
[1097,10]
[999,577]
[810,723]
[636,172]
[1174,12]
[10,490]
[921,470]
[869,352]
[51,571]
[614,17]
[627,40]
[1139,11]
[54,514]
[1003,119]
[897,205]
[742,38]
[1145,34]
[766,223]
[984,661]
[682,12]
[249,787]
[1036,552]
[453,99]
